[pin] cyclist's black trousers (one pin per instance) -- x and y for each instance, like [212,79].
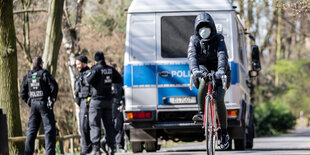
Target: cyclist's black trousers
[220,105]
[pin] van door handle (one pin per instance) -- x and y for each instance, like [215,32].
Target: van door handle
[164,73]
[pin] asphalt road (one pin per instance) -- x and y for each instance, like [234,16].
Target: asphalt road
[293,144]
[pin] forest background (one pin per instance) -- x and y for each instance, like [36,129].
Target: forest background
[281,29]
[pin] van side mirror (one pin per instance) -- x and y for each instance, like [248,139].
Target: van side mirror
[255,58]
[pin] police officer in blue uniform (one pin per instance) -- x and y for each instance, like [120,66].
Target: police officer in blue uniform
[82,93]
[101,78]
[39,90]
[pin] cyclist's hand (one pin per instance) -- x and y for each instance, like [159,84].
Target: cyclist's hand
[198,74]
[219,74]
[210,74]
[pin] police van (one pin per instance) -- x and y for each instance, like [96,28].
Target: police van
[159,103]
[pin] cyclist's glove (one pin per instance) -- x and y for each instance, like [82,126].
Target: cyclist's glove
[197,73]
[219,74]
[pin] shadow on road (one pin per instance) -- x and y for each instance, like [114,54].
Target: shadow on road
[280,149]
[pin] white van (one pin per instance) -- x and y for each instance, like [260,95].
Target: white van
[159,104]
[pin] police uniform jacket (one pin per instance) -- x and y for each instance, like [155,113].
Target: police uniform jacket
[82,89]
[101,78]
[38,84]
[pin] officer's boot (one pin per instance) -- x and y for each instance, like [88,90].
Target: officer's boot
[103,145]
[95,151]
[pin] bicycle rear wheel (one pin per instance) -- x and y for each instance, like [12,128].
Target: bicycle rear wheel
[209,128]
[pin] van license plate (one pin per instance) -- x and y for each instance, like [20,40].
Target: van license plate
[179,100]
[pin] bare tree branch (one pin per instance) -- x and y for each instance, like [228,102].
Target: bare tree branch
[30,10]
[26,32]
[19,43]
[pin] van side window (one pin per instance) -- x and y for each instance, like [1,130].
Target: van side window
[175,34]
[241,43]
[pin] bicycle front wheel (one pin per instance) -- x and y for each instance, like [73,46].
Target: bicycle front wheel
[209,128]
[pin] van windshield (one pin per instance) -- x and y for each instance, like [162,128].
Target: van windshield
[175,34]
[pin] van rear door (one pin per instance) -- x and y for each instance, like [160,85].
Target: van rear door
[173,74]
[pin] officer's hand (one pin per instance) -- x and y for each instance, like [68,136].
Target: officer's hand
[198,74]
[50,103]
[219,74]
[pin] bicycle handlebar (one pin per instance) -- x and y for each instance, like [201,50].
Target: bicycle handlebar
[210,77]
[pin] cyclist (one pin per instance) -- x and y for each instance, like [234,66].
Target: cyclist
[206,52]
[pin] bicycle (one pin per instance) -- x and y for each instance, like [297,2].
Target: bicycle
[211,120]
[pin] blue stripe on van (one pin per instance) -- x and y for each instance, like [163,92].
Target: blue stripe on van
[144,75]
[179,74]
[127,75]
[174,92]
[234,72]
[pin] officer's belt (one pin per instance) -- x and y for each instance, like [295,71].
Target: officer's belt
[38,99]
[83,95]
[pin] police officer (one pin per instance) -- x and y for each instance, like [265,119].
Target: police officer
[101,78]
[39,90]
[82,93]
[117,114]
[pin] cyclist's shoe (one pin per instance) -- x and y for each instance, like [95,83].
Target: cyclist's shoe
[224,141]
[198,117]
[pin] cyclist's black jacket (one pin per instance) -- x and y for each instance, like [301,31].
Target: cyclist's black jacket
[38,84]
[82,89]
[210,52]
[101,78]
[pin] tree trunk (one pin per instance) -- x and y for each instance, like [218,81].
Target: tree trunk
[241,6]
[279,39]
[8,74]
[250,17]
[266,41]
[53,35]
[71,44]
[26,49]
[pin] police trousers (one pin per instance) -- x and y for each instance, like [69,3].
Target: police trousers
[118,120]
[101,109]
[84,127]
[40,111]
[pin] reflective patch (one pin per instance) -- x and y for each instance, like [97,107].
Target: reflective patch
[34,94]
[88,74]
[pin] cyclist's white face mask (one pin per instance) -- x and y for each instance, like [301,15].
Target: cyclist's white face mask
[204,32]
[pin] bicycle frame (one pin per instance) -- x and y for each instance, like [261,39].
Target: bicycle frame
[210,96]
[211,121]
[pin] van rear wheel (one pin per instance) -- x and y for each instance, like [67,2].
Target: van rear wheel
[136,147]
[250,137]
[150,146]
[240,144]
